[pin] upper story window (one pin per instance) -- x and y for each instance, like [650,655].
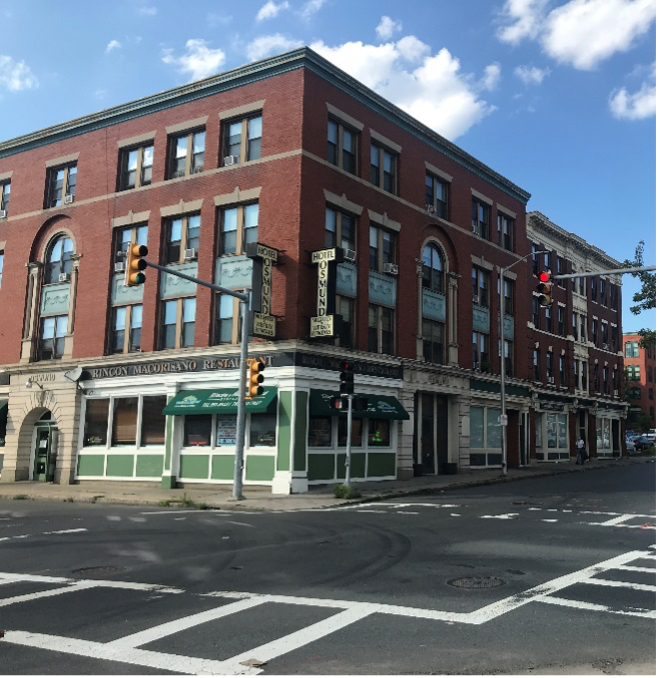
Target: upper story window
[550,367]
[535,312]
[178,323]
[632,349]
[59,261]
[561,321]
[182,239]
[603,292]
[437,195]
[481,218]
[537,367]
[186,154]
[583,328]
[383,168]
[581,286]
[342,146]
[126,329]
[633,373]
[136,167]
[238,226]
[382,244]
[508,295]
[133,234]
[381,329]
[242,140]
[649,375]
[614,296]
[594,330]
[594,288]
[535,259]
[651,396]
[561,269]
[61,185]
[433,269]
[548,319]
[480,292]
[505,231]
[339,229]
[5,191]
[51,338]
[603,332]
[635,393]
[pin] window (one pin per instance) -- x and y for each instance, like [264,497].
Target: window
[561,321]
[437,195]
[596,378]
[603,332]
[378,433]
[433,269]
[124,422]
[505,231]
[615,339]
[136,167]
[383,168]
[603,292]
[342,146]
[381,329]
[53,330]
[535,259]
[546,260]
[485,434]
[562,371]
[632,349]
[548,319]
[239,227]
[134,234]
[346,309]
[614,296]
[574,325]
[633,373]
[197,430]
[339,229]
[561,269]
[356,432]
[242,140]
[382,245]
[480,351]
[508,296]
[2,264]
[126,329]
[649,375]
[651,394]
[224,322]
[537,367]
[550,367]
[5,191]
[594,331]
[320,432]
[481,219]
[61,186]
[535,313]
[262,430]
[594,288]
[584,375]
[178,324]
[182,234]
[187,154]
[480,293]
[606,379]
[153,420]
[59,260]
[576,373]
[508,356]
[635,393]
[583,328]
[96,422]
[557,431]
[581,286]
[433,341]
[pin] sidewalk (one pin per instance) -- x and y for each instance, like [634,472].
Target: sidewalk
[261,499]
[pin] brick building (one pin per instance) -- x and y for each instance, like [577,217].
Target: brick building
[104,381]
[640,377]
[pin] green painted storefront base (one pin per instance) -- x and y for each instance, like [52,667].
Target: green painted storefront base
[120,465]
[258,468]
[331,467]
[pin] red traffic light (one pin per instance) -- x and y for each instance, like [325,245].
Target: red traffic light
[544,276]
[345,366]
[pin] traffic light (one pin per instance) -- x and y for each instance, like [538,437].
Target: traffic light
[255,378]
[544,288]
[346,377]
[135,264]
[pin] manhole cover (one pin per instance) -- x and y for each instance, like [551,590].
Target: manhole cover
[476,582]
[98,571]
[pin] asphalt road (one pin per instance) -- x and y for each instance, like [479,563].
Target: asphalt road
[531,576]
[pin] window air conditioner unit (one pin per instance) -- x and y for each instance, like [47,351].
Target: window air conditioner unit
[197,170]
[230,160]
[68,199]
[391,268]
[616,392]
[475,298]
[350,256]
[430,209]
[190,254]
[120,267]
[606,347]
[180,173]
[64,277]
[551,380]
[3,214]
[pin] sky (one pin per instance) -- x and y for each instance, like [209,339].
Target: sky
[556,95]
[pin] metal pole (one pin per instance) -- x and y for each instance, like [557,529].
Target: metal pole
[635,269]
[502,382]
[240,414]
[349,431]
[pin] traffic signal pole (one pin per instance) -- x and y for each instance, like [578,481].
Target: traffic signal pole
[237,493]
[349,433]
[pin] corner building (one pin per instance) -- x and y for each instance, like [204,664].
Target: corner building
[639,378]
[105,382]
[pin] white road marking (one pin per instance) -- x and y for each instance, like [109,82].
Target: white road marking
[41,534]
[77,529]
[620,584]
[619,519]
[412,513]
[370,511]
[27,597]
[549,520]
[503,516]
[235,522]
[581,605]
[535,509]
[455,515]
[636,568]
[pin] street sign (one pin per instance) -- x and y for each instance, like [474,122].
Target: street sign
[322,326]
[263,325]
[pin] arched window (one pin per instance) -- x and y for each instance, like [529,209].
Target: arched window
[58,260]
[432,269]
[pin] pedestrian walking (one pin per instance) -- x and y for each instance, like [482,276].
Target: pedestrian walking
[580,456]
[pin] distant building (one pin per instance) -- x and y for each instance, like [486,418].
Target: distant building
[640,378]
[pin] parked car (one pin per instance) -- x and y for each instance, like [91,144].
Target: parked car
[642,443]
[630,446]
[651,435]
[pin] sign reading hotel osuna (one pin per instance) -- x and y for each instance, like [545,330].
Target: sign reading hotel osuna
[264,258]
[324,324]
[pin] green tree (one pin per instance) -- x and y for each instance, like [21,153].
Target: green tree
[644,300]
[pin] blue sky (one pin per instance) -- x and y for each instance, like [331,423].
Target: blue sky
[556,95]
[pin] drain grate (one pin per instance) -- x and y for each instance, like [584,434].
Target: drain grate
[98,571]
[476,582]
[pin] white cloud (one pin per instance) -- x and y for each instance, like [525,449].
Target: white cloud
[214,20]
[527,17]
[198,62]
[387,27]
[428,87]
[531,75]
[16,75]
[271,9]
[147,10]
[491,77]
[113,44]
[639,104]
[311,7]
[266,45]
[581,33]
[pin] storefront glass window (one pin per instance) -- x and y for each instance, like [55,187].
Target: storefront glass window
[562,430]
[320,432]
[225,432]
[599,436]
[551,428]
[153,420]
[96,422]
[197,430]
[494,430]
[476,427]
[606,434]
[262,430]
[356,433]
[379,433]
[124,421]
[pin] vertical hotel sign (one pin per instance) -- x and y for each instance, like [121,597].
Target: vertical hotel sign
[264,257]
[325,323]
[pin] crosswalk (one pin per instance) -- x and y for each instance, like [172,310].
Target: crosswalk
[633,571]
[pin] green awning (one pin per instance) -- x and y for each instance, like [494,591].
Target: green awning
[378,406]
[218,401]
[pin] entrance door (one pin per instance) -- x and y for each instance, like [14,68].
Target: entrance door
[433,433]
[41,453]
[427,441]
[524,447]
